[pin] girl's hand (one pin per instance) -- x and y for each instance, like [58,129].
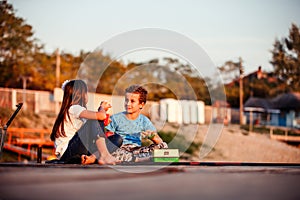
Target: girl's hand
[105,106]
[107,120]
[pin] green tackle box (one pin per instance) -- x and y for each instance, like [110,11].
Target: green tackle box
[166,155]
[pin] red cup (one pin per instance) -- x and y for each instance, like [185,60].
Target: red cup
[109,133]
[106,121]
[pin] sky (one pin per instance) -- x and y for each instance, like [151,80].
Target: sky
[225,30]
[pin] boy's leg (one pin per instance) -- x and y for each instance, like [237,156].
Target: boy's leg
[131,153]
[146,153]
[114,142]
[124,153]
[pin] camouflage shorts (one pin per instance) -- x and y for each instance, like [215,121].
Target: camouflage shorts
[132,153]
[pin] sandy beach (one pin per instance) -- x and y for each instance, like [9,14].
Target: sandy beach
[236,145]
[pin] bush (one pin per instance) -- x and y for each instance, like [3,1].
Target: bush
[179,142]
[23,119]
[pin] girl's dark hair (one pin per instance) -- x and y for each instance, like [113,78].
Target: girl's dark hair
[137,89]
[74,94]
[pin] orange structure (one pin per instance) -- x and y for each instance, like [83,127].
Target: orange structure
[21,141]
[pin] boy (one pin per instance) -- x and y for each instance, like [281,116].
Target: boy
[131,125]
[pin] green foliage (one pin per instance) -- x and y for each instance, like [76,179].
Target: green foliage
[231,70]
[24,119]
[17,46]
[114,71]
[179,142]
[286,59]
[256,129]
[4,116]
[285,78]
[20,55]
[266,130]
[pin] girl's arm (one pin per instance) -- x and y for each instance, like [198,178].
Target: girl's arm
[87,114]
[100,115]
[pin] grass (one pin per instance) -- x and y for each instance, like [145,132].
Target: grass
[179,142]
[266,130]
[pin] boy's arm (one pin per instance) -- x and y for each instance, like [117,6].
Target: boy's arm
[148,125]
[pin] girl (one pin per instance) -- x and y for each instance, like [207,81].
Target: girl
[77,133]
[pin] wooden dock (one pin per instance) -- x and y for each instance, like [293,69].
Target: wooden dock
[41,181]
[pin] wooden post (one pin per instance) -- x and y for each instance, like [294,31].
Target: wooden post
[241,92]
[13,99]
[39,154]
[57,78]
[57,68]
[37,103]
[271,131]
[24,83]
[251,121]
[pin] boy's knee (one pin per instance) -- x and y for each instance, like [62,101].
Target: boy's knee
[113,142]
[116,139]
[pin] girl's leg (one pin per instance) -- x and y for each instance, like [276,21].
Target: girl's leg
[88,143]
[94,139]
[82,143]
[74,151]
[105,156]
[94,130]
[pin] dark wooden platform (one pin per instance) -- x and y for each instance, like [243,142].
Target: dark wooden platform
[155,181]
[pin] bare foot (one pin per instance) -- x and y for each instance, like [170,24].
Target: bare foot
[86,160]
[108,160]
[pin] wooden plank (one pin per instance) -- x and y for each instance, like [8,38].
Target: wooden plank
[23,151]
[286,138]
[30,141]
[293,130]
[29,136]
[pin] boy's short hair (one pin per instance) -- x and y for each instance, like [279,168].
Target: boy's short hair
[137,89]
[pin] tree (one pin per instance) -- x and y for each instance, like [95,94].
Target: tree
[234,72]
[17,46]
[286,59]
[231,70]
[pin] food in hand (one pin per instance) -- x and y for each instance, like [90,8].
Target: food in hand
[107,120]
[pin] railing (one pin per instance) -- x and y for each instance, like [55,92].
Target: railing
[285,137]
[18,138]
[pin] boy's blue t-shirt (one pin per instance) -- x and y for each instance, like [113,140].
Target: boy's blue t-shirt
[130,130]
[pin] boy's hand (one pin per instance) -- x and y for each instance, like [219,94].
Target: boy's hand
[152,135]
[146,134]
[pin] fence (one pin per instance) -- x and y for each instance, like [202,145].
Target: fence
[33,100]
[25,141]
[169,110]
